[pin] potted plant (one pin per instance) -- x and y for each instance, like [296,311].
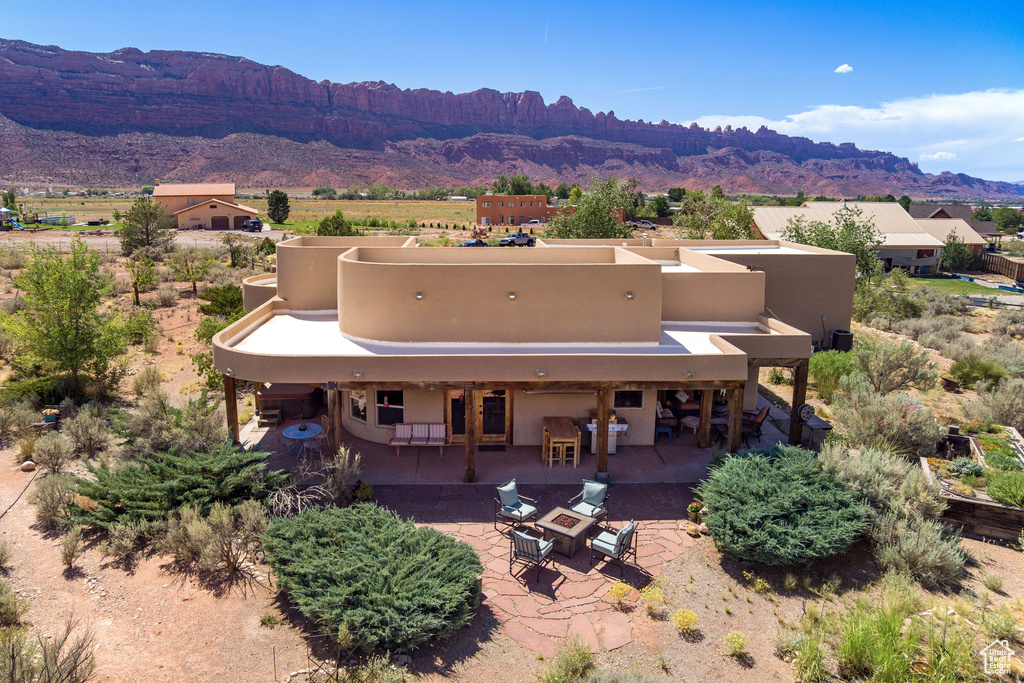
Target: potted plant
[693,510]
[50,414]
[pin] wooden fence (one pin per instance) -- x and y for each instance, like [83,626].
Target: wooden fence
[997,263]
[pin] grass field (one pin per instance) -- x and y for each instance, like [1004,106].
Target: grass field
[952,286]
[303,211]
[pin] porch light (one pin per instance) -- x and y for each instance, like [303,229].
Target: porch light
[357,374]
[541,374]
[690,374]
[629,296]
[230,372]
[511,296]
[419,296]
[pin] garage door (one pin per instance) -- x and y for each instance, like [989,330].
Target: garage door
[239,220]
[220,223]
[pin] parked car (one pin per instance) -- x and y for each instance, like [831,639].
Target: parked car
[517,239]
[644,225]
[533,222]
[253,225]
[473,243]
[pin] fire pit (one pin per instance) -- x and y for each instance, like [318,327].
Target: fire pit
[565,521]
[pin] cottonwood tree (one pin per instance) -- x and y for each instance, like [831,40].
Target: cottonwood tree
[593,214]
[61,327]
[849,231]
[520,184]
[146,225]
[712,217]
[141,274]
[192,264]
[278,207]
[1008,220]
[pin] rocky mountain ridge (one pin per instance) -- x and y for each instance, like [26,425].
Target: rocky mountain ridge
[183,110]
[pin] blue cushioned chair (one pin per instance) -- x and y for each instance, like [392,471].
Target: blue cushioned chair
[591,499]
[615,545]
[509,507]
[528,550]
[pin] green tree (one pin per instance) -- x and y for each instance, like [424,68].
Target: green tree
[501,185]
[676,194]
[325,193]
[1008,220]
[982,213]
[905,202]
[237,249]
[61,326]
[660,206]
[335,226]
[562,191]
[146,225]
[594,214]
[712,217]
[957,255]
[520,184]
[192,264]
[278,207]
[147,190]
[141,275]
[10,201]
[116,215]
[849,232]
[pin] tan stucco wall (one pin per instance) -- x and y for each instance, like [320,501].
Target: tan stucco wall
[258,290]
[466,296]
[420,406]
[724,297]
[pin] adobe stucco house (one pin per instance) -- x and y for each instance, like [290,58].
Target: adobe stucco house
[202,206]
[492,340]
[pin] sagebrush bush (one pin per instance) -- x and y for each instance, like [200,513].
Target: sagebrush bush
[571,662]
[87,430]
[896,420]
[892,365]
[166,297]
[59,658]
[828,368]
[1010,323]
[12,606]
[779,508]
[53,452]
[222,540]
[123,539]
[1006,487]
[925,549]
[147,380]
[157,426]
[52,498]
[71,547]
[5,556]
[1001,403]
[1005,352]
[394,586]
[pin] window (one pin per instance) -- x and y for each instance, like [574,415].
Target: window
[628,399]
[501,218]
[531,204]
[390,408]
[522,204]
[511,220]
[487,205]
[213,206]
[501,203]
[191,201]
[357,403]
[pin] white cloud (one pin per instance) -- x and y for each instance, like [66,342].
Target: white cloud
[843,69]
[974,124]
[1018,139]
[657,87]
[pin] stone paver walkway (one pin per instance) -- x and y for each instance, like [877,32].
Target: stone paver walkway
[569,596]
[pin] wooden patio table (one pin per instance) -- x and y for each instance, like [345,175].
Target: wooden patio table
[559,433]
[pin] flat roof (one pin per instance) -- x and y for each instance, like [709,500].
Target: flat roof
[316,333]
[749,249]
[677,267]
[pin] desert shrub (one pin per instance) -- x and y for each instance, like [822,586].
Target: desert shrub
[993,583]
[1001,402]
[123,539]
[338,475]
[139,324]
[145,492]
[828,368]
[6,424]
[1006,352]
[71,547]
[5,556]
[967,467]
[12,306]
[392,585]
[735,643]
[926,549]
[87,430]
[222,540]
[53,452]
[166,297]
[12,606]
[27,446]
[48,390]
[53,497]
[779,508]
[889,366]
[973,368]
[1001,461]
[685,620]
[897,420]
[881,301]
[147,380]
[1013,248]
[939,303]
[13,258]
[158,426]
[1006,487]
[571,663]
[1010,324]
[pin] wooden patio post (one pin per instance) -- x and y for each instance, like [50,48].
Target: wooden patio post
[704,424]
[799,397]
[735,419]
[336,417]
[469,397]
[231,407]
[604,409]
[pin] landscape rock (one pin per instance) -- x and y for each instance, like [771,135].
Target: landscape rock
[28,466]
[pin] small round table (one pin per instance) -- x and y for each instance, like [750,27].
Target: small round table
[302,436]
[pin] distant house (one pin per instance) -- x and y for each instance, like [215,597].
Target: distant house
[961,211]
[202,206]
[942,228]
[519,209]
[905,243]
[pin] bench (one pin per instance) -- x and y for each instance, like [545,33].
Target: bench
[420,434]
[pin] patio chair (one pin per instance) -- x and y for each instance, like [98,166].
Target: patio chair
[509,508]
[618,546]
[529,550]
[752,426]
[591,500]
[324,437]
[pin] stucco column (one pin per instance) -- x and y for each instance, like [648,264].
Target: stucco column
[604,409]
[796,428]
[735,419]
[470,401]
[750,390]
[231,407]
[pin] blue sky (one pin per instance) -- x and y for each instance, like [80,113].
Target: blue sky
[939,82]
